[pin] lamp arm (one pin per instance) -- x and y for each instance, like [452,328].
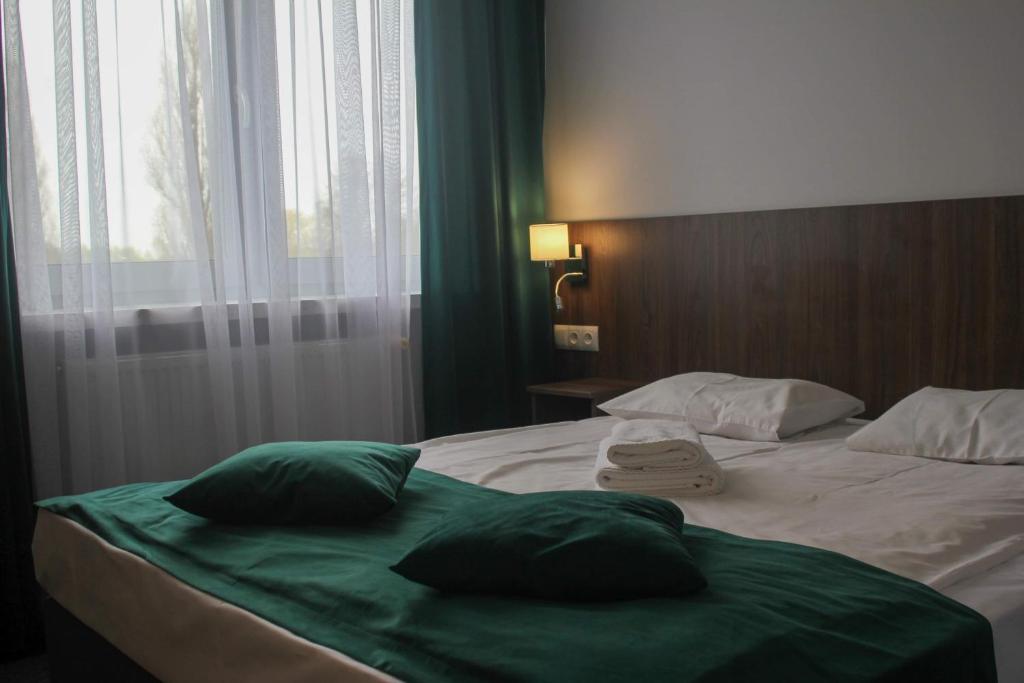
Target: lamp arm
[558,299]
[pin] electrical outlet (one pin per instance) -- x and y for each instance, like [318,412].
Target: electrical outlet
[577,337]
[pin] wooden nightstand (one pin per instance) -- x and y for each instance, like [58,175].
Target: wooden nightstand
[575,399]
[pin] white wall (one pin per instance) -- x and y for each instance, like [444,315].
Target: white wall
[670,107]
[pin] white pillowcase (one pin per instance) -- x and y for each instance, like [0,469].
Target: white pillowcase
[737,407]
[950,424]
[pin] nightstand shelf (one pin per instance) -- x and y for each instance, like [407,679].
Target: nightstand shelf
[574,399]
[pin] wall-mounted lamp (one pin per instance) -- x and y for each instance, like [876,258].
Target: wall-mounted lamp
[549,242]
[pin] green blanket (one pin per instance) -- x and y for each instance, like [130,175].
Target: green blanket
[772,612]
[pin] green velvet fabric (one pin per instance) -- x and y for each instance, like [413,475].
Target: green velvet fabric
[486,306]
[300,482]
[20,621]
[560,545]
[771,611]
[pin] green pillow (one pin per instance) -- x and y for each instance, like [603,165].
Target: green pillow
[300,482]
[567,545]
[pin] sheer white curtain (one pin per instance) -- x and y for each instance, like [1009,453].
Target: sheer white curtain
[216,228]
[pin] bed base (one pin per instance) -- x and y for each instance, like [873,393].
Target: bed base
[77,653]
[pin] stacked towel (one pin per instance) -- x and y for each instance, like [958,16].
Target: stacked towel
[660,456]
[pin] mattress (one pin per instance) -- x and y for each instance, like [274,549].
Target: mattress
[958,530]
[772,612]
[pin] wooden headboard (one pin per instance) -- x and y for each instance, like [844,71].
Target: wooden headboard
[877,300]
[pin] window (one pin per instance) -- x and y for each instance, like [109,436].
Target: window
[159,96]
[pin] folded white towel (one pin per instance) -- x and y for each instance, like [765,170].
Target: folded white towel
[654,443]
[663,456]
[706,479]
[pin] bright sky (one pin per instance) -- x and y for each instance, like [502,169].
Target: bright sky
[131,93]
[140,45]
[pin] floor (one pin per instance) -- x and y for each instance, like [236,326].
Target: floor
[30,670]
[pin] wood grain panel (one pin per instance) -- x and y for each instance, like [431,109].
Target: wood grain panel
[877,300]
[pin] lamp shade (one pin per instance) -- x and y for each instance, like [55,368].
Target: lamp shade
[549,242]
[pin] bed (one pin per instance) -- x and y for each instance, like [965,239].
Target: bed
[957,528]
[875,300]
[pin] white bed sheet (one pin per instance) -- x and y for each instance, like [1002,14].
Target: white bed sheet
[956,527]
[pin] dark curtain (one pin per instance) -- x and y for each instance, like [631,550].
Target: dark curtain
[20,621]
[486,314]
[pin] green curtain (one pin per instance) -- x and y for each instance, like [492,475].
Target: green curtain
[480,107]
[20,620]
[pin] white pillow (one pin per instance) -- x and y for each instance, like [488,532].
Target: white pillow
[737,407]
[950,424]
